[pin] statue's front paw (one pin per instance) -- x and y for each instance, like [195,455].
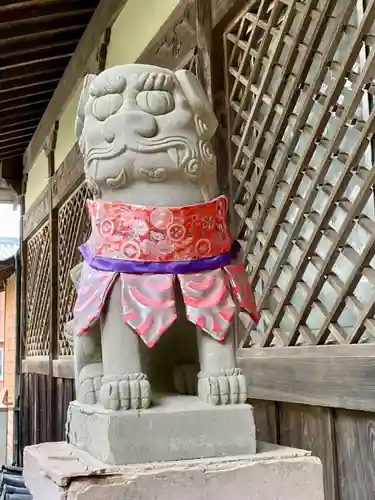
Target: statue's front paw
[185,378]
[125,392]
[225,387]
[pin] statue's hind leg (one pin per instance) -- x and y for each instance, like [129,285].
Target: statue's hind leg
[124,386]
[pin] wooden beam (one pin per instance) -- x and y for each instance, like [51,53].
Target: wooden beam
[223,11]
[62,367]
[103,18]
[68,176]
[37,214]
[177,37]
[204,41]
[335,376]
[49,149]
[174,40]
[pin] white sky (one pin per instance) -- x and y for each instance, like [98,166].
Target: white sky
[9,221]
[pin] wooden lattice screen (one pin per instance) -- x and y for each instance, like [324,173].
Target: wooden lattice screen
[300,86]
[73,229]
[38,293]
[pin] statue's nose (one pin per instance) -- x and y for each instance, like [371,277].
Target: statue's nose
[141,123]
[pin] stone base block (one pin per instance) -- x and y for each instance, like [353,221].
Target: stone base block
[177,428]
[57,471]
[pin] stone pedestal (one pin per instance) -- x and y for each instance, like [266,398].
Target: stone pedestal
[56,471]
[176,428]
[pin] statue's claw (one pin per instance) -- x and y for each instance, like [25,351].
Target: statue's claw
[222,388]
[130,391]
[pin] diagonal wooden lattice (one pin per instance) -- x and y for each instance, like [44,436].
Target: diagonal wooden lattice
[300,87]
[74,229]
[38,294]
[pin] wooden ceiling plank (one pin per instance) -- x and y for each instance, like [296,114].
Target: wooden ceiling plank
[33,69]
[13,148]
[28,93]
[21,135]
[11,155]
[59,34]
[18,130]
[24,105]
[31,81]
[35,29]
[27,121]
[21,116]
[31,10]
[103,17]
[47,52]
[25,22]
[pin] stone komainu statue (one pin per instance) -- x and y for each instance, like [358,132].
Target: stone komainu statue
[160,270]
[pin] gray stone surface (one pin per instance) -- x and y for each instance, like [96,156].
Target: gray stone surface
[56,471]
[176,428]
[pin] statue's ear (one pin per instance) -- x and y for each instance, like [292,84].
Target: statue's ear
[80,118]
[199,102]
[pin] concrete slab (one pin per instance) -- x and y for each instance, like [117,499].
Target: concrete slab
[177,428]
[56,471]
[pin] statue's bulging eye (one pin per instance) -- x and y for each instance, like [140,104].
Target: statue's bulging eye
[155,102]
[107,105]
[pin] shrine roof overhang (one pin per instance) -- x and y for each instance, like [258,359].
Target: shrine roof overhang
[37,40]
[8,251]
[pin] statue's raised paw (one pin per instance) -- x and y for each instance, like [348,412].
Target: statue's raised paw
[130,391]
[223,387]
[185,378]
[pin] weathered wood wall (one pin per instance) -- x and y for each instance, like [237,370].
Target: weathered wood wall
[342,439]
[37,413]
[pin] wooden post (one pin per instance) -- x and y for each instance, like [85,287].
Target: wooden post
[203,14]
[20,427]
[49,148]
